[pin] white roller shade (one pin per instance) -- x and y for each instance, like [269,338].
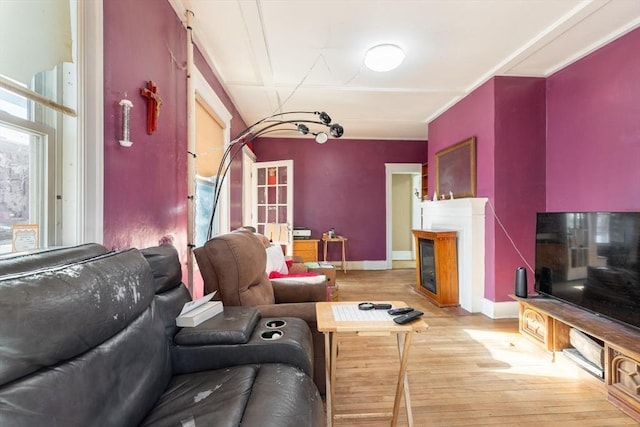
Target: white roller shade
[35,36]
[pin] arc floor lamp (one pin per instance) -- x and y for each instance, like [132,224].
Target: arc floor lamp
[275,123]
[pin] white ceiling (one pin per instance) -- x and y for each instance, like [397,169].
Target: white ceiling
[290,55]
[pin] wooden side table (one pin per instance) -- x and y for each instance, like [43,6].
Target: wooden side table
[334,327]
[340,239]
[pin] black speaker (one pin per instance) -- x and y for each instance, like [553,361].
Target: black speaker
[521,282]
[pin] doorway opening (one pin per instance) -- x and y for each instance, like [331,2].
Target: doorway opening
[403,198]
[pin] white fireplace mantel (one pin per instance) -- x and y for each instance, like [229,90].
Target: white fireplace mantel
[466,217]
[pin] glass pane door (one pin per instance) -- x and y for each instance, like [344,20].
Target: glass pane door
[273,195]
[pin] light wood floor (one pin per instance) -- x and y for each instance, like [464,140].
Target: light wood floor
[465,370]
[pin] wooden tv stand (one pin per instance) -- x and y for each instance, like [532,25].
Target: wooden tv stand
[547,321]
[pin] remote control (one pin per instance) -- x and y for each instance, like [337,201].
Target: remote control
[372,306]
[400,310]
[406,318]
[382,306]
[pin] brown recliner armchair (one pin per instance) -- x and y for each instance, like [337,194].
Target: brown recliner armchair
[234,265]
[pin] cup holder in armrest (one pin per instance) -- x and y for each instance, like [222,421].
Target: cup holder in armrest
[272,335]
[271,324]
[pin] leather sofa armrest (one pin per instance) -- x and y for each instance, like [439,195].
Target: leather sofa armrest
[291,291]
[233,326]
[292,344]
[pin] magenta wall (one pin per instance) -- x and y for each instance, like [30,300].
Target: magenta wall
[341,184]
[520,124]
[145,186]
[506,115]
[593,140]
[471,116]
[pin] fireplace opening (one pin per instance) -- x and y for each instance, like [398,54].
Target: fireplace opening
[437,266]
[428,266]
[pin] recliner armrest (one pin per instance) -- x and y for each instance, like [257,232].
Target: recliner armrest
[293,291]
[293,345]
[233,326]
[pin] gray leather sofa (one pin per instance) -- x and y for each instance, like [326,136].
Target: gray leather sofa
[88,338]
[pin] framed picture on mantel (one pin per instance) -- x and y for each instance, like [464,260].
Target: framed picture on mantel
[456,169]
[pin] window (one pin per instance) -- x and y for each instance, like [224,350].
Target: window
[30,160]
[51,162]
[25,180]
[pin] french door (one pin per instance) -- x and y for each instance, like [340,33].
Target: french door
[272,184]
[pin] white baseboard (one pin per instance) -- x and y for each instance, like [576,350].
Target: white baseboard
[500,310]
[401,255]
[361,265]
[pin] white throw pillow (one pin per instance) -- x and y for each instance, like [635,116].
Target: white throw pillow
[276,260]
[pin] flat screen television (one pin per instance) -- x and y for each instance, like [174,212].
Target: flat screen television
[591,260]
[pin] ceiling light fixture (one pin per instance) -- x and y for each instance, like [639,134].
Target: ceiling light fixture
[383,57]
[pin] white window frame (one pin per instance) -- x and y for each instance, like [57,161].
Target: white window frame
[83,219]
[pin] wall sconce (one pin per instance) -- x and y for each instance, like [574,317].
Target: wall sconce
[126,117]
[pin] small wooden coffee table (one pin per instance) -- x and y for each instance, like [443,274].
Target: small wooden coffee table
[338,319]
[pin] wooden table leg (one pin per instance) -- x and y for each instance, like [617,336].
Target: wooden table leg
[344,258]
[324,250]
[404,342]
[334,366]
[329,386]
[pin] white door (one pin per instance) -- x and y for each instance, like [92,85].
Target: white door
[272,184]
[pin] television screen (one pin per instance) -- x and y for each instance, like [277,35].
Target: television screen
[591,260]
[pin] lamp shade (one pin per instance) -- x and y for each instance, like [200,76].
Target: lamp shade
[321,137]
[336,130]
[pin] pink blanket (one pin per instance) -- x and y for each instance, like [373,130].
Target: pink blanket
[278,275]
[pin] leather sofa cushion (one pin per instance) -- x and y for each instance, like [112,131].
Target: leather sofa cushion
[171,293]
[266,395]
[14,264]
[81,344]
[80,300]
[165,265]
[114,384]
[169,305]
[287,395]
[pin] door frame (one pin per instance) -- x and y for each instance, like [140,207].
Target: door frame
[248,160]
[390,170]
